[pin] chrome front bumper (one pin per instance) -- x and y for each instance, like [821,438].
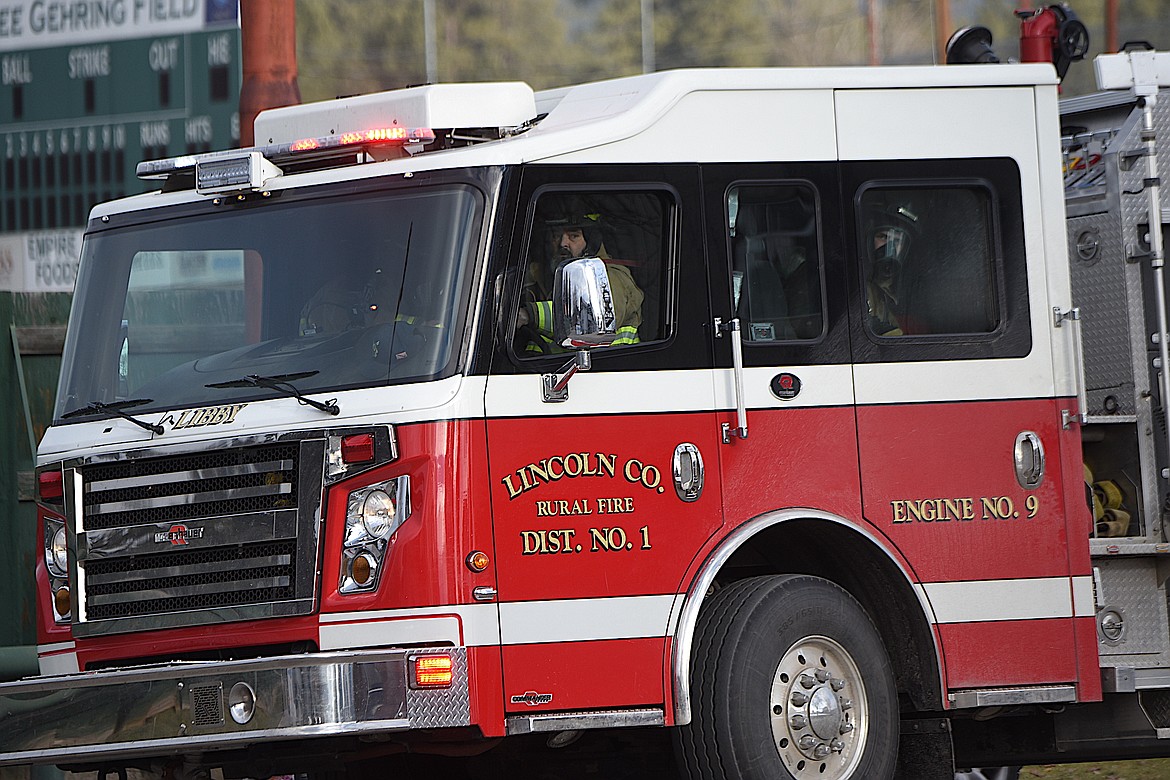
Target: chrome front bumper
[183,708]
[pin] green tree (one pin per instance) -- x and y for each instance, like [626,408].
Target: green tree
[493,40]
[347,47]
[691,35]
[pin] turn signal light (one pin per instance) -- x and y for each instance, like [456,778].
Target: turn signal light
[478,561]
[433,671]
[62,603]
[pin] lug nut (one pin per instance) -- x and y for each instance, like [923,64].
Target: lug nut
[808,681]
[846,704]
[822,675]
[837,745]
[799,699]
[836,684]
[821,751]
[807,742]
[799,722]
[846,728]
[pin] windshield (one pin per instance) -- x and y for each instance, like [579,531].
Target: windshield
[347,292]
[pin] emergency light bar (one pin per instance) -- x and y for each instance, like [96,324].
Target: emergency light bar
[234,170]
[509,104]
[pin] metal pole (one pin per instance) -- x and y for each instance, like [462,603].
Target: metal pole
[1111,7]
[429,41]
[28,421]
[871,25]
[943,30]
[648,64]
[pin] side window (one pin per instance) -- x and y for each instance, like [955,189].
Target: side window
[629,229]
[929,260]
[775,262]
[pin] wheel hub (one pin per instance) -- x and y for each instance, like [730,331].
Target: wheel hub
[817,724]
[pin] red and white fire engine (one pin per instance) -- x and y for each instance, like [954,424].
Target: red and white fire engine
[748,403]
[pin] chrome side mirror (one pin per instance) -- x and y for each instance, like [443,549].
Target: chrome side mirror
[583,316]
[583,319]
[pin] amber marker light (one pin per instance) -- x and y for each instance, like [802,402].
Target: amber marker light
[61,602]
[477,561]
[433,671]
[362,569]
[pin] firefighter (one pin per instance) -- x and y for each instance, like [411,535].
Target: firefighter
[888,239]
[572,236]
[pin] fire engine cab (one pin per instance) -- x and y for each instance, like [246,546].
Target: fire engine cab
[747,403]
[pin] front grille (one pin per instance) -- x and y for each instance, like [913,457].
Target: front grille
[219,577]
[191,539]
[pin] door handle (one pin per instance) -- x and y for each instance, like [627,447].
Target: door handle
[1029,459]
[687,466]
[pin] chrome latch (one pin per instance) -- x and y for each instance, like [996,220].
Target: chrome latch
[1060,315]
[1069,418]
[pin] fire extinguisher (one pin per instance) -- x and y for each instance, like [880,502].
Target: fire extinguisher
[1053,34]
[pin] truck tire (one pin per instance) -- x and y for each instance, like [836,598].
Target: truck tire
[789,679]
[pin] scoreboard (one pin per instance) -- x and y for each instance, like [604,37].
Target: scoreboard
[89,88]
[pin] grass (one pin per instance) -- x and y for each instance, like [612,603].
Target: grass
[1153,769]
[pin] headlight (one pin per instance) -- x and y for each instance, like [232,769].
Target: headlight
[60,552]
[56,548]
[57,562]
[373,514]
[377,514]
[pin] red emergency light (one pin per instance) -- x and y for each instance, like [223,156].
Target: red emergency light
[50,485]
[358,448]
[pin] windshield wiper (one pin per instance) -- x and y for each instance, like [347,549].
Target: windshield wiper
[282,383]
[100,407]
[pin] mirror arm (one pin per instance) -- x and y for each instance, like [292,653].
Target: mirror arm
[555,387]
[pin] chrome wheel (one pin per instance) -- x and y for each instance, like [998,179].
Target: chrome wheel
[790,680]
[818,710]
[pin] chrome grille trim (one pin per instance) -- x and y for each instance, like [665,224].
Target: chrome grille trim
[213,531]
[191,498]
[190,475]
[191,590]
[175,571]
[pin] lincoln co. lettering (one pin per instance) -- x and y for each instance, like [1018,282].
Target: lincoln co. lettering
[964,509]
[576,465]
[563,540]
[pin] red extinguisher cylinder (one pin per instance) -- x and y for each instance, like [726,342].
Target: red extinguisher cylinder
[1038,31]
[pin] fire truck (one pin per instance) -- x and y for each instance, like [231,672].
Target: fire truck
[812,417]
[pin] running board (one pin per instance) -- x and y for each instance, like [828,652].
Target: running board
[1008,697]
[570,721]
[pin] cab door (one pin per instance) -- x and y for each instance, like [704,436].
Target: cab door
[958,405]
[777,268]
[601,499]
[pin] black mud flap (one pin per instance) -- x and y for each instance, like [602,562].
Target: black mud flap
[925,751]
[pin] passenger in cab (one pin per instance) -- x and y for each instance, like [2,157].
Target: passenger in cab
[573,235]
